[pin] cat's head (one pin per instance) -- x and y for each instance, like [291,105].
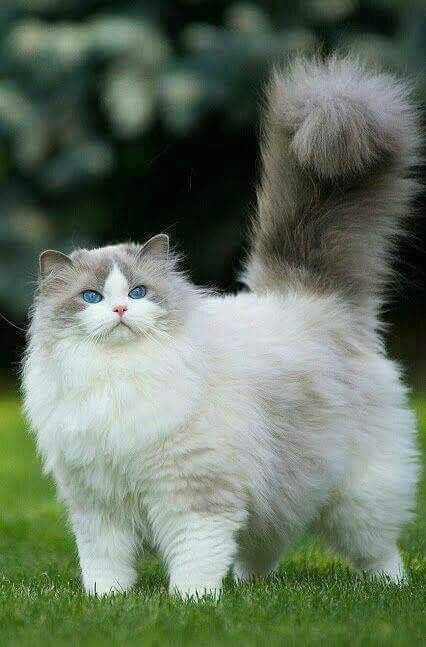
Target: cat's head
[112,294]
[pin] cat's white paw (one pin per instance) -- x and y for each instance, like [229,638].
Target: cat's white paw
[104,586]
[388,570]
[194,591]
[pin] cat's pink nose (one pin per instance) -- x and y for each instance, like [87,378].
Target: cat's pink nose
[120,310]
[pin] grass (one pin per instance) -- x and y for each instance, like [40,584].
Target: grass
[313,599]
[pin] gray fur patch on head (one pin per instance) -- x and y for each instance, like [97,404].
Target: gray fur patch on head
[63,279]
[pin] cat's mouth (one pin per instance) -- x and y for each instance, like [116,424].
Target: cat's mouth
[122,326]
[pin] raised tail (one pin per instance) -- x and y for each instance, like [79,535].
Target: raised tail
[339,143]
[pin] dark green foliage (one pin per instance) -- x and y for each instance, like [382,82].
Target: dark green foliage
[121,119]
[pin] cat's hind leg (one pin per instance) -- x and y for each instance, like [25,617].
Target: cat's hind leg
[257,558]
[364,518]
[366,543]
[246,569]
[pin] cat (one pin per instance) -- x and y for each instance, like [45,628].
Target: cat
[217,428]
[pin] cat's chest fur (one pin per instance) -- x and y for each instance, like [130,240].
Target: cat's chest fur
[106,425]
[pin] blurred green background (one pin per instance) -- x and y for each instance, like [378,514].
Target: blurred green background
[122,119]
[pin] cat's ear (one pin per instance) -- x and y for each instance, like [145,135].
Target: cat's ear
[157,246]
[51,261]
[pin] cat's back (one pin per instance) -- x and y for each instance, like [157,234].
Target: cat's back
[289,323]
[302,352]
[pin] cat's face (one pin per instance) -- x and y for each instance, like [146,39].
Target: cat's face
[111,294]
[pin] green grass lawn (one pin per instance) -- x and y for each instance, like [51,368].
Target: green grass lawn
[313,599]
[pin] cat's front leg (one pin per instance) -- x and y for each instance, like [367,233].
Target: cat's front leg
[106,550]
[199,549]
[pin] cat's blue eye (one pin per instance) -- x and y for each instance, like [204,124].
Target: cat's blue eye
[138,292]
[91,296]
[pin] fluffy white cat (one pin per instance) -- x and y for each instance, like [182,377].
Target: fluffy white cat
[217,428]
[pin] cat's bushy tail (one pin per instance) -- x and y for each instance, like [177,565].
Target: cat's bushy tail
[338,145]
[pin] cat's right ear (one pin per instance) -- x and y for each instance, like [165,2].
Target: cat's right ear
[50,261]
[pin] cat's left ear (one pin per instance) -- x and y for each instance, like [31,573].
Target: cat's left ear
[50,261]
[157,246]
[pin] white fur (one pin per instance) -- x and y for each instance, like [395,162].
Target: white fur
[103,320]
[260,417]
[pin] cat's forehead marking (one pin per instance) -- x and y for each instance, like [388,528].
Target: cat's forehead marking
[116,283]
